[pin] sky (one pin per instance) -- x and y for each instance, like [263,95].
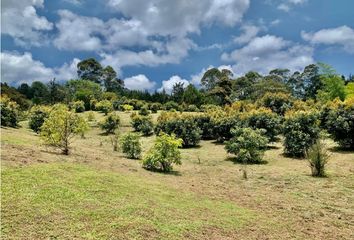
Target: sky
[152,44]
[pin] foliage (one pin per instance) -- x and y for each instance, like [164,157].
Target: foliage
[15,95]
[104,106]
[318,158]
[178,92]
[142,124]
[300,131]
[163,154]
[78,106]
[127,107]
[110,123]
[40,93]
[9,112]
[264,119]
[130,145]
[247,144]
[83,90]
[333,86]
[171,105]
[90,116]
[37,116]
[349,90]
[192,108]
[192,95]
[206,125]
[115,141]
[154,107]
[277,102]
[61,126]
[222,126]
[144,110]
[182,125]
[339,122]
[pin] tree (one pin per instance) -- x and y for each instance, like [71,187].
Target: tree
[177,92]
[15,96]
[38,114]
[25,90]
[60,128]
[333,86]
[56,92]
[349,90]
[90,69]
[212,76]
[83,90]
[110,80]
[9,112]
[131,146]
[40,93]
[268,85]
[192,95]
[247,144]
[163,154]
[110,123]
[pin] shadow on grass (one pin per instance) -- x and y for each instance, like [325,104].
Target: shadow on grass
[235,161]
[191,147]
[341,150]
[173,172]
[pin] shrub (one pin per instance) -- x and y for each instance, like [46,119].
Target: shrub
[9,112]
[222,127]
[318,158]
[163,154]
[277,102]
[192,108]
[339,122]
[61,126]
[183,127]
[37,116]
[78,106]
[171,105]
[247,144]
[110,123]
[142,124]
[130,145]
[154,107]
[90,116]
[144,110]
[104,106]
[300,131]
[264,119]
[206,125]
[127,108]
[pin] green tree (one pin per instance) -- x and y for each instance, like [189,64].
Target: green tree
[163,154]
[110,80]
[177,92]
[192,95]
[131,146]
[40,93]
[349,90]
[60,128]
[83,90]
[90,69]
[333,86]
[110,123]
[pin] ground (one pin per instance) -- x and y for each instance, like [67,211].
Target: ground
[96,193]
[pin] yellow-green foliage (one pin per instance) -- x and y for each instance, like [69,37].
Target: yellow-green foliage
[163,154]
[9,112]
[127,107]
[349,90]
[60,128]
[104,106]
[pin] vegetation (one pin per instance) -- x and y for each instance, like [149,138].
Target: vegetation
[163,154]
[131,146]
[9,112]
[318,157]
[37,116]
[110,123]
[61,126]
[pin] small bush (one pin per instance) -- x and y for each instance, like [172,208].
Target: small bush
[127,108]
[78,106]
[154,107]
[301,131]
[37,116]
[144,111]
[205,123]
[192,108]
[104,106]
[222,127]
[142,124]
[130,145]
[9,112]
[110,123]
[247,144]
[171,105]
[277,102]
[163,154]
[318,158]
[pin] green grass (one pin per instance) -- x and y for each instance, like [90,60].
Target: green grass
[66,200]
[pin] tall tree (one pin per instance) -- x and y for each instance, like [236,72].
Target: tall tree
[177,92]
[192,95]
[90,69]
[110,80]
[56,92]
[40,93]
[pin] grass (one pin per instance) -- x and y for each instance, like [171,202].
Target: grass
[96,193]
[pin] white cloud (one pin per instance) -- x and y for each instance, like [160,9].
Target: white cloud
[268,52]
[139,82]
[168,84]
[249,32]
[343,36]
[21,21]
[286,5]
[275,22]
[22,68]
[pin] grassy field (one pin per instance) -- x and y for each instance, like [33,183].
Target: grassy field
[96,193]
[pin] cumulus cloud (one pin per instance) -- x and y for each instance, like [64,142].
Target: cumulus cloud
[167,85]
[286,5]
[21,21]
[22,68]
[139,82]
[342,36]
[249,32]
[268,52]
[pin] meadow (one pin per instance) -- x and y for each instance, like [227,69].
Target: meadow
[97,193]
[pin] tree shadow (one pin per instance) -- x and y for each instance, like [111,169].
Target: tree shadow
[286,155]
[341,150]
[173,172]
[236,161]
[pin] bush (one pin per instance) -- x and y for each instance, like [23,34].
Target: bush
[318,158]
[277,102]
[247,144]
[142,124]
[183,127]
[78,106]
[104,106]
[9,112]
[127,108]
[163,154]
[264,119]
[192,108]
[37,116]
[339,122]
[222,127]
[144,111]
[154,107]
[61,127]
[171,105]
[301,131]
[130,145]
[110,123]
[206,125]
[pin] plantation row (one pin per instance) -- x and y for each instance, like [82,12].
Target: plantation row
[246,127]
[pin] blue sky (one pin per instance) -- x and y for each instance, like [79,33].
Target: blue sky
[154,43]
